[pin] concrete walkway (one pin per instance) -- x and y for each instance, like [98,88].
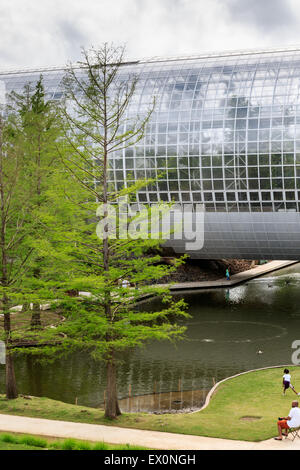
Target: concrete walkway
[150,439]
[235,278]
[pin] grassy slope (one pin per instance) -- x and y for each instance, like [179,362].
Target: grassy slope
[8,446]
[17,441]
[254,394]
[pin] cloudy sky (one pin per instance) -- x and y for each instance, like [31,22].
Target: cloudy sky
[51,32]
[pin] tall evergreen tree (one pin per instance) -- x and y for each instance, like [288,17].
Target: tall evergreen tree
[97,127]
[116,271]
[40,129]
[15,226]
[28,138]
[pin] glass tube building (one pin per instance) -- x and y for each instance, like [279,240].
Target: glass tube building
[226,133]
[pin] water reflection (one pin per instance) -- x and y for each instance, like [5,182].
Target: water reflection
[227,329]
[185,401]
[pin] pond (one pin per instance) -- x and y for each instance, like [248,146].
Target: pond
[231,330]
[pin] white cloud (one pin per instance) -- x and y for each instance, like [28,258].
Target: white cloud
[38,33]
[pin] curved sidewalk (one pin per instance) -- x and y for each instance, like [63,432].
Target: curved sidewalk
[150,439]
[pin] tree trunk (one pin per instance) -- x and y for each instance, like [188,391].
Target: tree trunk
[36,317]
[10,382]
[11,385]
[118,411]
[112,409]
[10,379]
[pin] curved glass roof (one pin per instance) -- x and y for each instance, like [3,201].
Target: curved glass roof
[225,131]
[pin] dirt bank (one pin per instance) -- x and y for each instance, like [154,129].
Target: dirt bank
[206,270]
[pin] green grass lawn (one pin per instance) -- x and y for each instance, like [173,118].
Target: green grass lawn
[231,413]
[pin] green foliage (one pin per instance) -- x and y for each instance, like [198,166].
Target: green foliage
[33,441]
[8,438]
[54,173]
[67,444]
[100,446]
[27,440]
[76,259]
[29,132]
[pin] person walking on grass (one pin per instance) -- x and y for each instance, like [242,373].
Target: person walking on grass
[286,382]
[291,421]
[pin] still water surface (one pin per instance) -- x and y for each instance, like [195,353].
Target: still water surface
[227,329]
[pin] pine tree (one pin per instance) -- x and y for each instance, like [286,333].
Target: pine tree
[28,137]
[97,126]
[15,205]
[40,130]
[117,272]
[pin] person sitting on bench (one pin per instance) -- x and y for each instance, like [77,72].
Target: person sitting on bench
[292,421]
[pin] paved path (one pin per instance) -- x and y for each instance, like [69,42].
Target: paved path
[150,439]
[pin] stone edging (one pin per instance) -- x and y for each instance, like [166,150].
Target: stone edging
[213,389]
